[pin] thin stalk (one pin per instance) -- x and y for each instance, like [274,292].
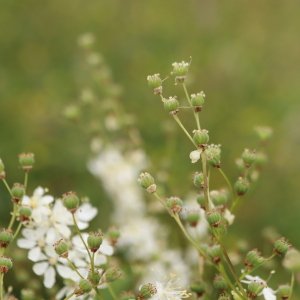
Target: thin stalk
[292,285]
[7,186]
[17,231]
[74,268]
[206,184]
[196,115]
[79,233]
[226,179]
[161,201]
[12,220]
[26,180]
[185,131]
[234,204]
[112,292]
[1,286]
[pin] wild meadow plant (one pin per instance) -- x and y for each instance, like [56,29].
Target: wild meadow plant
[82,261]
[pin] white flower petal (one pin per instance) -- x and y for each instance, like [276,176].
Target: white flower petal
[61,293]
[86,212]
[26,200]
[25,244]
[100,259]
[34,254]
[40,268]
[195,155]
[269,294]
[49,277]
[38,192]
[47,199]
[63,271]
[51,236]
[106,248]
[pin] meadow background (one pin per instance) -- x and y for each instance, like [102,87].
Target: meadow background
[245,58]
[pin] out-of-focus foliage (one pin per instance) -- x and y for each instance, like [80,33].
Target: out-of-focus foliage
[245,59]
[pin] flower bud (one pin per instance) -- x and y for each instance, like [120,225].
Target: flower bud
[255,288]
[5,264]
[155,82]
[70,201]
[198,179]
[213,218]
[25,212]
[17,192]
[2,172]
[6,237]
[193,218]
[146,181]
[254,259]
[248,157]
[220,283]
[127,296]
[174,204]
[281,246]
[112,274]
[213,155]
[83,287]
[27,294]
[94,277]
[198,287]
[197,101]
[180,70]
[240,165]
[201,137]
[291,260]
[264,133]
[284,291]
[171,105]
[224,297]
[242,186]
[219,197]
[94,241]
[61,248]
[113,234]
[147,291]
[214,252]
[201,200]
[26,161]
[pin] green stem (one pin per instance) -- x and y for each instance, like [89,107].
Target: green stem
[234,204]
[161,201]
[1,286]
[292,285]
[7,186]
[17,231]
[26,180]
[79,233]
[12,220]
[196,115]
[112,292]
[185,131]
[206,184]
[74,268]
[226,179]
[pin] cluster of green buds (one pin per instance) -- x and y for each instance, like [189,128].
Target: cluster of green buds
[17,192]
[174,205]
[61,248]
[213,217]
[214,252]
[112,274]
[171,105]
[94,240]
[201,137]
[180,70]
[219,198]
[25,212]
[147,291]
[146,181]
[26,161]
[197,101]
[220,283]
[5,264]
[254,259]
[198,286]
[2,172]
[248,157]
[213,155]
[84,286]
[255,288]
[281,246]
[6,237]
[70,201]
[113,235]
[242,186]
[155,82]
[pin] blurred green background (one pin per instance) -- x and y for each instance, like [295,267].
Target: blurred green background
[245,58]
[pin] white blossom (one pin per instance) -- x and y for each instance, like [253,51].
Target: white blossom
[195,155]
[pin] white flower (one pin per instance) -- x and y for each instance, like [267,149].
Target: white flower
[166,290]
[229,216]
[268,293]
[195,155]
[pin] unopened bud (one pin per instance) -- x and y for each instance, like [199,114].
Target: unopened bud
[83,287]
[201,137]
[25,212]
[5,264]
[281,246]
[146,181]
[284,291]
[61,248]
[214,252]
[17,192]
[197,101]
[201,200]
[291,260]
[198,179]
[254,259]
[70,201]
[220,283]
[255,288]
[112,274]
[94,240]
[213,155]
[248,157]
[174,204]
[198,287]
[113,234]
[180,70]
[213,218]
[155,82]
[171,105]
[147,291]
[95,276]
[264,133]
[6,237]
[242,186]
[219,197]
[26,161]
[193,218]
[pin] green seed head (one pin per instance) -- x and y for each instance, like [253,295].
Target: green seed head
[198,286]
[26,161]
[17,192]
[174,204]
[248,157]
[147,291]
[255,288]
[219,197]
[254,259]
[112,274]
[291,260]
[198,179]
[214,252]
[220,283]
[201,199]
[5,264]
[224,297]
[61,248]
[284,291]
[84,286]
[94,277]
[94,240]
[180,70]
[6,237]
[264,133]
[70,201]
[201,137]
[213,155]
[193,218]
[154,81]
[146,181]
[242,186]
[281,246]
[213,218]
[197,101]
[171,105]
